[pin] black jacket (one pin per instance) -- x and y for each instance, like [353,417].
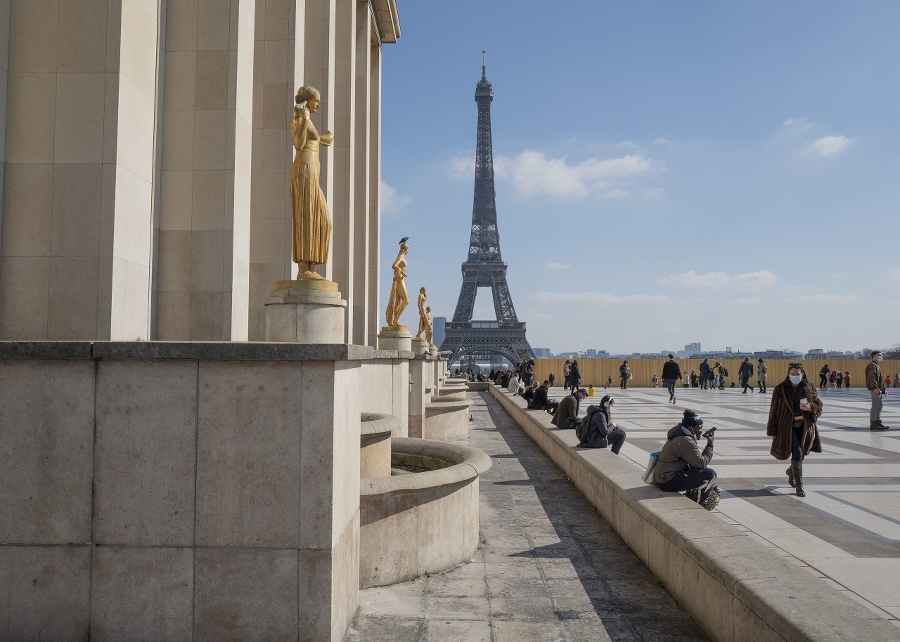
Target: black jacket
[598,429]
[671,370]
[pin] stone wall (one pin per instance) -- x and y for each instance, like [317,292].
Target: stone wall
[166,490]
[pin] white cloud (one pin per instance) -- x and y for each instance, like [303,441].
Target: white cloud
[532,173]
[462,166]
[796,123]
[662,141]
[392,201]
[596,297]
[554,265]
[746,281]
[827,146]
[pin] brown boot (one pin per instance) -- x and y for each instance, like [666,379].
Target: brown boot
[797,469]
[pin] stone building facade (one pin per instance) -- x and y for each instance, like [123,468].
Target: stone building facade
[146,150]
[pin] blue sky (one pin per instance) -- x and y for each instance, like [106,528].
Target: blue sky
[667,172]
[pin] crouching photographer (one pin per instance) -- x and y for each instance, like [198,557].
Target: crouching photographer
[683,467]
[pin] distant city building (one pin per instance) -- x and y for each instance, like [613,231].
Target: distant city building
[692,349]
[819,353]
[542,353]
[438,324]
[591,353]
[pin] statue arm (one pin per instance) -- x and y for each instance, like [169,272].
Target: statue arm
[326,139]
[299,127]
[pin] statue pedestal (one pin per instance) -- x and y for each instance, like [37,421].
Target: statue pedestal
[420,346]
[395,338]
[305,312]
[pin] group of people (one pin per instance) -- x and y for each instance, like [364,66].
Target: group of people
[835,378]
[682,466]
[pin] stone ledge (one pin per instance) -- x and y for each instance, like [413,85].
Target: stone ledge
[215,350]
[45,349]
[732,585]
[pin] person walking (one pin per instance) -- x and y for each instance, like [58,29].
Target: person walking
[762,371]
[671,375]
[875,384]
[574,376]
[744,374]
[793,414]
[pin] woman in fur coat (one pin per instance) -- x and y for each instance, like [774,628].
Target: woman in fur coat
[792,423]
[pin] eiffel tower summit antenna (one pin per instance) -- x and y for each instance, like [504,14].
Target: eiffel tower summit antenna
[484,267]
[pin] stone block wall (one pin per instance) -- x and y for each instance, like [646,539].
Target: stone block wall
[167,491]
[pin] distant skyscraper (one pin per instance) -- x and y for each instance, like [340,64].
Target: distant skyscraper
[692,348]
[438,325]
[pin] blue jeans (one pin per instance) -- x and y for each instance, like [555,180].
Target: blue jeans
[690,478]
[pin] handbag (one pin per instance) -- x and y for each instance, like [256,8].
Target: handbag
[651,466]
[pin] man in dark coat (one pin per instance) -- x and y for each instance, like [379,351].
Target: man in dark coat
[793,414]
[705,374]
[574,376]
[567,411]
[745,372]
[671,375]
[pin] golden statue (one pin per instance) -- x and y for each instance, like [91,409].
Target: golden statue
[429,328]
[312,223]
[423,315]
[398,299]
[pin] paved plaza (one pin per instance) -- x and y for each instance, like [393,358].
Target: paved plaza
[846,530]
[548,567]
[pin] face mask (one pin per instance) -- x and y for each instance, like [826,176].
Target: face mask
[608,405]
[796,379]
[879,358]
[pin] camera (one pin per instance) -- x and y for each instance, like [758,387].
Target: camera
[709,432]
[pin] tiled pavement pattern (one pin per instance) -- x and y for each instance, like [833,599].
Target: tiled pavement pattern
[846,530]
[548,568]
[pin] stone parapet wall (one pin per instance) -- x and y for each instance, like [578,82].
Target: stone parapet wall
[171,491]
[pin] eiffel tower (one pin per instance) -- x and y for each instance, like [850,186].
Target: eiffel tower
[484,266]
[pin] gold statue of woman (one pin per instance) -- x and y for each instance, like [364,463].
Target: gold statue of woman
[398,299]
[312,223]
[429,328]
[423,315]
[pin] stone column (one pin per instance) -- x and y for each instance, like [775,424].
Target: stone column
[374,178]
[206,147]
[344,153]
[278,65]
[80,133]
[362,213]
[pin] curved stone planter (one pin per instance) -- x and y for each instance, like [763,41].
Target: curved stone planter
[447,418]
[375,432]
[419,522]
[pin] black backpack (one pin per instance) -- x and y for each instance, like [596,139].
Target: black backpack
[725,370]
[581,428]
